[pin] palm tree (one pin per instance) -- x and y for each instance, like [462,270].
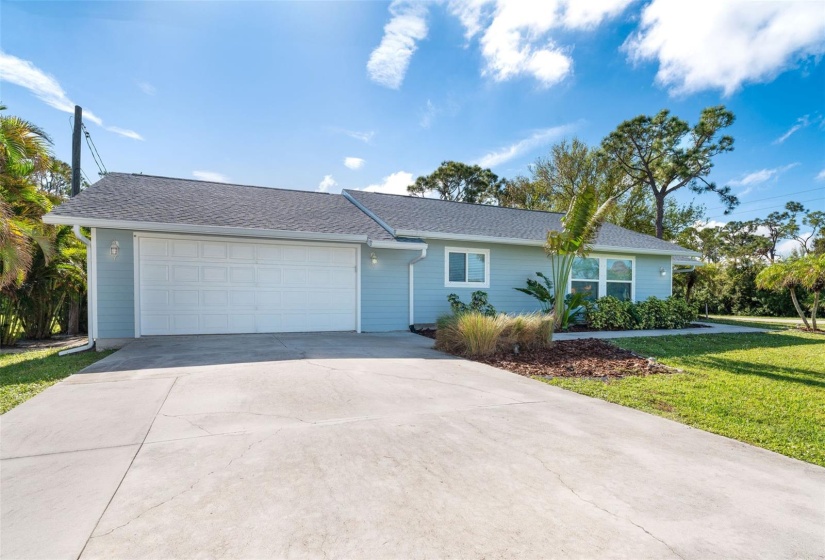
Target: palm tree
[810,271]
[779,276]
[579,226]
[24,150]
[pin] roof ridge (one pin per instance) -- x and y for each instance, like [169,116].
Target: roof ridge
[455,202]
[217,182]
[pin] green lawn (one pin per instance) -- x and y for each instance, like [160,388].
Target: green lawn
[777,323]
[24,374]
[767,389]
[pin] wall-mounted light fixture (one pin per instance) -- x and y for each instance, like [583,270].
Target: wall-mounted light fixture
[114,249]
[374,258]
[662,271]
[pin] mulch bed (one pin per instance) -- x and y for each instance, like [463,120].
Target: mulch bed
[587,357]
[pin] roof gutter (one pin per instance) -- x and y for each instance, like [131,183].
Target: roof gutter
[382,244]
[205,230]
[91,285]
[537,243]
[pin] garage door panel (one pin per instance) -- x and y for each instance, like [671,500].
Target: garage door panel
[244,286]
[184,249]
[242,274]
[184,298]
[154,248]
[184,273]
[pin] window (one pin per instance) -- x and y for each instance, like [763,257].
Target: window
[466,268]
[603,276]
[584,278]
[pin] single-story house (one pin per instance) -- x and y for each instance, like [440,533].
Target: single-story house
[176,256]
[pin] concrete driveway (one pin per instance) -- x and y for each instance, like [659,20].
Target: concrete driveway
[375,446]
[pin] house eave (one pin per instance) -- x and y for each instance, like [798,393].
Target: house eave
[537,243]
[202,229]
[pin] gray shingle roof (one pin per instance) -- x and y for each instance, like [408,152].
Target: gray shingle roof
[147,198]
[408,215]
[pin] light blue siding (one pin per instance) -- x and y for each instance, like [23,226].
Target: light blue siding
[115,285]
[649,280]
[384,285]
[385,289]
[510,266]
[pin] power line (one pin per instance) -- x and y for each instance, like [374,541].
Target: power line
[93,149]
[759,209]
[772,197]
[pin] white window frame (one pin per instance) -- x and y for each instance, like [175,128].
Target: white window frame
[465,251]
[603,274]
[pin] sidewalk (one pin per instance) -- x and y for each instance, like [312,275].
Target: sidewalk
[708,328]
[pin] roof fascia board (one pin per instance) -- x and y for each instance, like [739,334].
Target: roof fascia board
[205,230]
[535,243]
[368,212]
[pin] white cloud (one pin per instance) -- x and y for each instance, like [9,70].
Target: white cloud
[755,178]
[354,162]
[713,44]
[428,116]
[395,183]
[388,63]
[147,88]
[514,36]
[538,138]
[801,123]
[362,135]
[821,175]
[785,248]
[46,88]
[211,176]
[327,183]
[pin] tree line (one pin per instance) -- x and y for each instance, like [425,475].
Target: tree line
[638,167]
[42,267]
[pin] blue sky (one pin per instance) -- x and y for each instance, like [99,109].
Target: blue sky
[335,95]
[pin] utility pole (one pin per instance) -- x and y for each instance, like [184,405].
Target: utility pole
[78,122]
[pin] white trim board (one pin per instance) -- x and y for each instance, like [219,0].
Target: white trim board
[466,284]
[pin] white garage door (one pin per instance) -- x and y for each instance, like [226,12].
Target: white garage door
[208,286]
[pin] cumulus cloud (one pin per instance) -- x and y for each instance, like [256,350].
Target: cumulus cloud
[712,44]
[46,88]
[755,178]
[395,183]
[515,36]
[388,63]
[821,175]
[538,138]
[327,183]
[211,176]
[354,162]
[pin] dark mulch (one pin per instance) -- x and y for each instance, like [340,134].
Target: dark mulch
[587,357]
[429,333]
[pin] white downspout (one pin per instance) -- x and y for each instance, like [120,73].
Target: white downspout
[421,257]
[90,286]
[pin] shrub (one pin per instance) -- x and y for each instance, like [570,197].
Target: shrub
[611,314]
[542,291]
[530,331]
[470,333]
[478,304]
[475,334]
